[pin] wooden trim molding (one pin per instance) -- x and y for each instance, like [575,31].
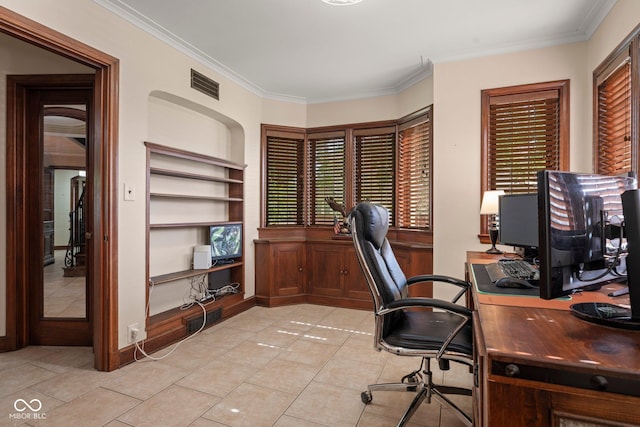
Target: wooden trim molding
[105,263]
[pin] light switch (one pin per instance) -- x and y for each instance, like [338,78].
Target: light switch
[129,191]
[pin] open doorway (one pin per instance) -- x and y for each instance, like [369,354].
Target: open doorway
[101,222]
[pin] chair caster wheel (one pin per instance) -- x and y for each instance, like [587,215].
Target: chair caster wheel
[366,397]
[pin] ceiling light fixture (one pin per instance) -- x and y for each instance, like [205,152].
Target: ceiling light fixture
[341,2]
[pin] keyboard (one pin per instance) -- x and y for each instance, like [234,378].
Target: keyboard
[515,268]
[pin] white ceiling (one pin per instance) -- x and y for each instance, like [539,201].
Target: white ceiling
[308,51]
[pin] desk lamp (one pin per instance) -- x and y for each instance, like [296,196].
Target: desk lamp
[489,206]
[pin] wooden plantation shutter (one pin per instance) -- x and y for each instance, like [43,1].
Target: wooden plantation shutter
[415,138]
[524,129]
[374,166]
[327,175]
[285,179]
[613,154]
[524,137]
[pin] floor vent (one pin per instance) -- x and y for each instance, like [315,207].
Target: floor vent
[204,84]
[195,323]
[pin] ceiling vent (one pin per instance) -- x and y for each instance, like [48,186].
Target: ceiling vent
[204,84]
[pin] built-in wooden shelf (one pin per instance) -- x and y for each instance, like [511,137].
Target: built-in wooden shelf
[177,275]
[191,197]
[169,168]
[187,175]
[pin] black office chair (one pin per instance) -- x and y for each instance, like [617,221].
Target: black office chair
[411,326]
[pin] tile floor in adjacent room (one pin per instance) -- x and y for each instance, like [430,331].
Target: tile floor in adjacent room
[300,365]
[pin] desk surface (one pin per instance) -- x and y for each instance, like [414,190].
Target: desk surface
[543,332]
[538,364]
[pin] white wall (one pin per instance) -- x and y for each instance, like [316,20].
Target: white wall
[148,66]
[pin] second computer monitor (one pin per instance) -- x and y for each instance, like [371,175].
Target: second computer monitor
[518,216]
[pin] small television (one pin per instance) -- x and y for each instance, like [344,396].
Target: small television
[518,214]
[580,218]
[226,242]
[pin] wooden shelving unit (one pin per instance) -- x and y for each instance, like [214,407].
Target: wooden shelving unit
[223,200]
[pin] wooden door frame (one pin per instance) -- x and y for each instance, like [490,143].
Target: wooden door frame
[105,126]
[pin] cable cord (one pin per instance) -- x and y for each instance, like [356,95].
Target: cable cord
[140,347]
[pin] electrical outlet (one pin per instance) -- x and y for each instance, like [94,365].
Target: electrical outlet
[132,332]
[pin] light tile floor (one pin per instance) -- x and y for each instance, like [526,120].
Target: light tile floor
[301,365]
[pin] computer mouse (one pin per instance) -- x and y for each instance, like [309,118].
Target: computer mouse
[512,282]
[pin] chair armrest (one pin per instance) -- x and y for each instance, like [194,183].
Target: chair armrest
[463,285]
[430,303]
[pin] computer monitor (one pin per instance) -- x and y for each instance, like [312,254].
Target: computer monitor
[631,208]
[579,230]
[616,315]
[226,242]
[518,214]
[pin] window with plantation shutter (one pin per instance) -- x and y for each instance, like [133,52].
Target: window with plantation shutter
[375,166]
[614,146]
[386,162]
[326,175]
[413,200]
[524,129]
[284,178]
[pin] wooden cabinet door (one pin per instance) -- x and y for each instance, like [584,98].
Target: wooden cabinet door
[288,268]
[355,284]
[327,271]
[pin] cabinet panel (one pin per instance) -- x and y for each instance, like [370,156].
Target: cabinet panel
[356,285]
[326,269]
[288,268]
[321,271]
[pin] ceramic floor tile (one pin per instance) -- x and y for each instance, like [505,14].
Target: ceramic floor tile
[310,313]
[263,408]
[277,336]
[301,365]
[13,409]
[13,359]
[345,318]
[254,354]
[326,335]
[22,377]
[217,377]
[308,352]
[290,377]
[74,383]
[62,361]
[393,404]
[173,406]
[287,421]
[328,405]
[224,337]
[203,422]
[194,353]
[349,373]
[360,348]
[96,408]
[143,379]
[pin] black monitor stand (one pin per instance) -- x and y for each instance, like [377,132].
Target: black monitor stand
[611,314]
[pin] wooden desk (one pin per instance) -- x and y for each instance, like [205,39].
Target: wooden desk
[538,365]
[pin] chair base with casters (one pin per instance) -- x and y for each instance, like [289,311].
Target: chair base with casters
[422,327]
[421,383]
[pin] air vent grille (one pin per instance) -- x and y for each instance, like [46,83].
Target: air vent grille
[204,84]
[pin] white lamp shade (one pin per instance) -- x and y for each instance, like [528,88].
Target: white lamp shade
[490,201]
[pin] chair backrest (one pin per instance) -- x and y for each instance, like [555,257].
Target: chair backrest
[369,226]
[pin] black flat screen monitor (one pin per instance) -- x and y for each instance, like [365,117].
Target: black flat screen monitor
[518,214]
[579,226]
[226,242]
